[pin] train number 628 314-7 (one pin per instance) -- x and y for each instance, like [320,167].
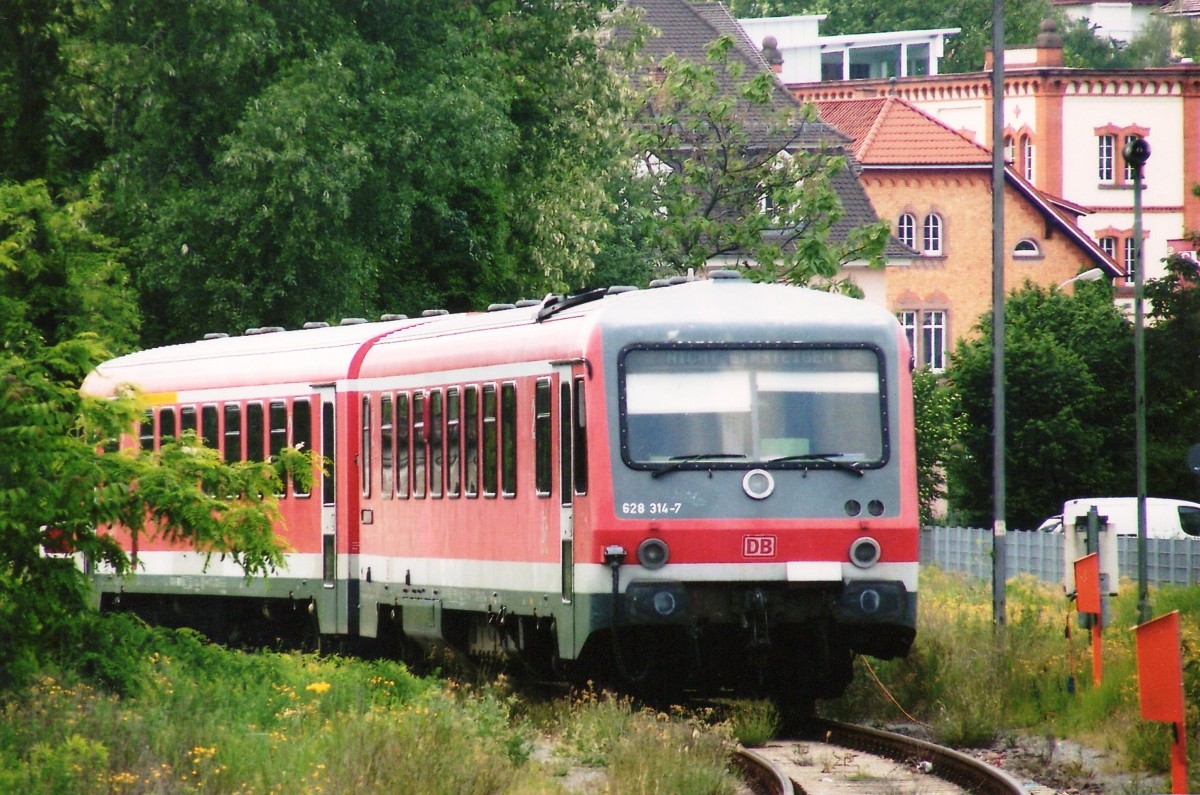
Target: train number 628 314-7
[650,508]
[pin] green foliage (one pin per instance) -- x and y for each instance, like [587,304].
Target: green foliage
[1172,379]
[1068,393]
[725,169]
[939,425]
[59,276]
[264,169]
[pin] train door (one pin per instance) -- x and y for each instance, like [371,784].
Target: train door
[328,609]
[567,422]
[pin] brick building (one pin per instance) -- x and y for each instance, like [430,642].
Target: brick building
[934,185]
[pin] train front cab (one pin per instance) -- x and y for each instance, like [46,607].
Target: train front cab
[760,513]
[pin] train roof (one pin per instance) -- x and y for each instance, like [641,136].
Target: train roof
[556,328]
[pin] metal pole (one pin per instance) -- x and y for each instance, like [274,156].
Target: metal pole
[999,570]
[1137,152]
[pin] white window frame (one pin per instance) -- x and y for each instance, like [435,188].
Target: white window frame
[1106,157]
[906,230]
[932,240]
[933,339]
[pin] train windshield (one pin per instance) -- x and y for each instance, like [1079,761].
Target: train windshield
[731,407]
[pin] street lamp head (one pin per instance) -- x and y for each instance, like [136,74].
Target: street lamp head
[1095,274]
[1136,151]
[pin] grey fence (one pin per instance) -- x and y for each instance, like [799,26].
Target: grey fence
[969,549]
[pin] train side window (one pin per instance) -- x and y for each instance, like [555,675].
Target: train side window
[166,425]
[278,429]
[277,417]
[436,440]
[490,438]
[402,441]
[210,427]
[543,424]
[254,432]
[328,443]
[365,456]
[301,435]
[419,444]
[187,419]
[508,439]
[387,468]
[580,452]
[146,431]
[453,443]
[471,441]
[564,441]
[233,432]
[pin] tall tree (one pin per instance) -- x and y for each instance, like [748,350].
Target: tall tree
[725,169]
[58,485]
[1173,379]
[1069,397]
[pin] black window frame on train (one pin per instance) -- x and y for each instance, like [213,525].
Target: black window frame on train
[453,444]
[365,424]
[471,441]
[508,439]
[543,441]
[579,446]
[210,426]
[256,431]
[436,431]
[387,446]
[147,433]
[168,428]
[189,419]
[301,436]
[742,463]
[489,441]
[232,431]
[401,451]
[420,446]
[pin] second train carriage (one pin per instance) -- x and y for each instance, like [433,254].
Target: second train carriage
[711,484]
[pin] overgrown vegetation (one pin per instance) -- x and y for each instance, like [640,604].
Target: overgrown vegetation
[967,682]
[163,711]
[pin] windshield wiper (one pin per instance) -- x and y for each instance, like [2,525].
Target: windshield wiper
[825,458]
[677,461]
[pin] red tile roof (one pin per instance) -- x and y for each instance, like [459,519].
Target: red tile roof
[888,131]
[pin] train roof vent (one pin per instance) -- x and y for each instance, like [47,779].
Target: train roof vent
[270,329]
[526,302]
[315,324]
[392,316]
[352,321]
[215,335]
[434,312]
[620,288]
[679,280]
[725,273]
[500,307]
[659,283]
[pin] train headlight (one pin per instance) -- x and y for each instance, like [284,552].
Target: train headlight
[653,553]
[865,552]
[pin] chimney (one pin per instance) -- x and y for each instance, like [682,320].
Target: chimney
[772,55]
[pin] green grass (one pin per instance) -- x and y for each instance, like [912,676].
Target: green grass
[155,712]
[967,680]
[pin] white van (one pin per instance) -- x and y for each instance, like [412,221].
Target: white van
[1165,518]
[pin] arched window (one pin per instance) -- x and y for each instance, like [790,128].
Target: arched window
[932,242]
[1027,249]
[1008,149]
[1027,157]
[906,229]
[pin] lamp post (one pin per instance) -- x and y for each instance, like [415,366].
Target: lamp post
[1092,275]
[1137,152]
[999,486]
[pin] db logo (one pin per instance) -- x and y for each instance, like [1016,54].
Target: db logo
[758,546]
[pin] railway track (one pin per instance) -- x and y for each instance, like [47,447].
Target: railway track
[832,757]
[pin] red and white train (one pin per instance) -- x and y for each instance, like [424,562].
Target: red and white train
[708,484]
